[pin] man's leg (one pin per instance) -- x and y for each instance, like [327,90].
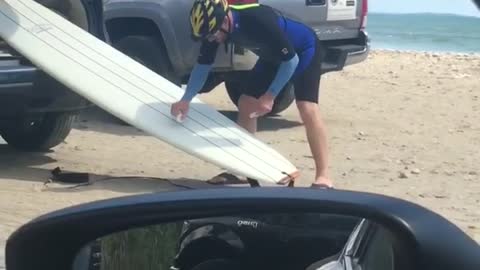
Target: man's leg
[246,106]
[253,87]
[307,86]
[317,139]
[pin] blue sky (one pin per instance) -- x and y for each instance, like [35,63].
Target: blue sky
[461,7]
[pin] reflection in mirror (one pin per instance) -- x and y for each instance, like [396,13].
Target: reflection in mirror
[310,241]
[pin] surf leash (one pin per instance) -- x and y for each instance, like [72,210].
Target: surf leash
[290,178]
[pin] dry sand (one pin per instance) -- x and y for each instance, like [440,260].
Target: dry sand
[401,124]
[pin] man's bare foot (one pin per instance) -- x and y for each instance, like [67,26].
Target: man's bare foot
[323,182]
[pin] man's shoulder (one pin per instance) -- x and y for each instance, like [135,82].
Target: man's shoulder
[260,10]
[256,17]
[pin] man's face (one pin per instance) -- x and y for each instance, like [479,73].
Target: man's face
[220,36]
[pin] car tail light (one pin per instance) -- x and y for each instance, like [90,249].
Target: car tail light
[363,20]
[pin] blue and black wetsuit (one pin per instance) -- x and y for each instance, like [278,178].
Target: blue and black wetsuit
[286,49]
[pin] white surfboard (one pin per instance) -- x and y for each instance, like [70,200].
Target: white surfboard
[135,94]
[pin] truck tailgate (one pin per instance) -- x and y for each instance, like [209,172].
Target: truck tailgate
[331,19]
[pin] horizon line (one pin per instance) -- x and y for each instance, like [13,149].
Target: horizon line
[424,13]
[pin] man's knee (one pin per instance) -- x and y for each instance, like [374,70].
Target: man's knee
[307,106]
[307,109]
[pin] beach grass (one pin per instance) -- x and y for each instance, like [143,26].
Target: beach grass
[146,248]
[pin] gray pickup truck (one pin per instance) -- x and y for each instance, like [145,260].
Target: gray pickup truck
[36,111]
[156,33]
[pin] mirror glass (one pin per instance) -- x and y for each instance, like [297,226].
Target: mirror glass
[252,241]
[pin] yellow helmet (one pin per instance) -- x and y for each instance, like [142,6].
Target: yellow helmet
[206,17]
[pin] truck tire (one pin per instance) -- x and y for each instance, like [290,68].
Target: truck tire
[39,132]
[150,52]
[281,103]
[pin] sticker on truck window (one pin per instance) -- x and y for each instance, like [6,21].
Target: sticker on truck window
[339,10]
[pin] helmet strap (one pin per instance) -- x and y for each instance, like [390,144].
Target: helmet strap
[227,33]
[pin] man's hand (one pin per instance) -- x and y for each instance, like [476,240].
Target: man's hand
[264,105]
[179,110]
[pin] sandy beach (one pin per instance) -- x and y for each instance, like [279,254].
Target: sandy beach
[401,124]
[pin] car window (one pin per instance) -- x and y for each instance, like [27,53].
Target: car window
[355,237]
[378,254]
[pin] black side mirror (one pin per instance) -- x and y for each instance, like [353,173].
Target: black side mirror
[243,228]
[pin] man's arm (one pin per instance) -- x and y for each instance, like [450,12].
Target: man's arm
[201,70]
[196,81]
[284,73]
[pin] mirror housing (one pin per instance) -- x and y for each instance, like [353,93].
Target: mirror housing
[52,241]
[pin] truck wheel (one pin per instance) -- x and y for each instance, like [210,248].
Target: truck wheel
[38,132]
[150,52]
[281,103]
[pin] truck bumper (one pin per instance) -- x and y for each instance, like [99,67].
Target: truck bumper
[25,89]
[361,55]
[352,52]
[357,57]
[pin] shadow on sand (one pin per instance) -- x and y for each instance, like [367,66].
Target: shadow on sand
[129,184]
[21,166]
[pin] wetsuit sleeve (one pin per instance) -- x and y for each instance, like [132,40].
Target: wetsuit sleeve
[196,81]
[284,73]
[199,74]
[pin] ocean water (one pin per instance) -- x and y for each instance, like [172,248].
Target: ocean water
[424,32]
